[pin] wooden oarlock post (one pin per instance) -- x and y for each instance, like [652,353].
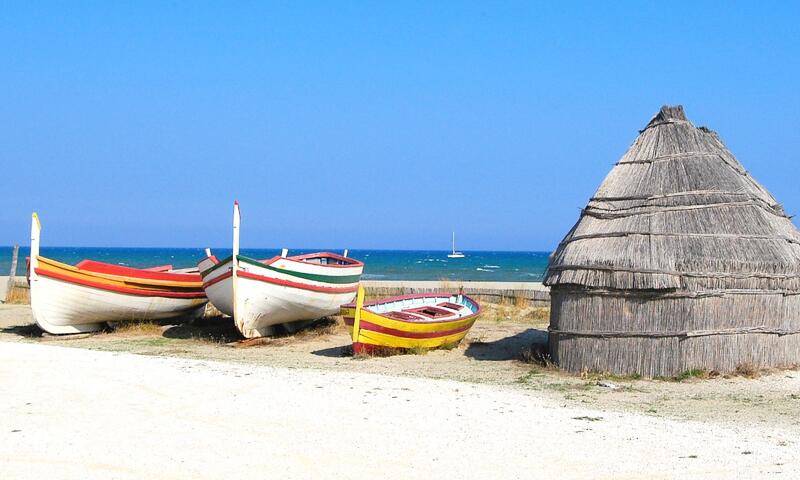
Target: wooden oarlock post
[357,317]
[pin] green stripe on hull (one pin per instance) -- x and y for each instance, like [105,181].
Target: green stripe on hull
[221,263]
[341,279]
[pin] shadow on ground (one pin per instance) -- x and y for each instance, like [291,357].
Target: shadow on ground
[508,348]
[335,352]
[29,331]
[214,329]
[222,329]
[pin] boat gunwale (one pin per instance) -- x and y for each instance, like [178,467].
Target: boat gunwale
[122,289]
[407,334]
[219,263]
[137,273]
[372,303]
[281,282]
[48,264]
[341,279]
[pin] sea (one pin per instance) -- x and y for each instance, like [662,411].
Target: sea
[378,264]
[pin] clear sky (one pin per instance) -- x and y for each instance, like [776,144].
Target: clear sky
[368,124]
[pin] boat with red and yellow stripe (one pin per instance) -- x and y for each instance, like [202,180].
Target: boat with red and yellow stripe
[426,320]
[83,297]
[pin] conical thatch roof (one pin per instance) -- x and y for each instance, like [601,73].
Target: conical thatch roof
[680,260]
[678,211]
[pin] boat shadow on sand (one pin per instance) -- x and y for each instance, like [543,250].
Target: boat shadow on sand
[335,352]
[507,348]
[221,329]
[31,330]
[214,329]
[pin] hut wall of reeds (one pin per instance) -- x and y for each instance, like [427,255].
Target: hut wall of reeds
[680,261]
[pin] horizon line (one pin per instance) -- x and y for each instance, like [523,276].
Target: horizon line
[290,249]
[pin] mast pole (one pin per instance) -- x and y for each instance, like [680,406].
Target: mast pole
[237,218]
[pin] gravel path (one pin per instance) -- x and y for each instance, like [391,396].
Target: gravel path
[73,413]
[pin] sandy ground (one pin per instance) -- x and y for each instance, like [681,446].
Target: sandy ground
[549,422]
[74,413]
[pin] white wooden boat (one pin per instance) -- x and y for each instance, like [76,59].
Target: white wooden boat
[455,254]
[83,297]
[260,294]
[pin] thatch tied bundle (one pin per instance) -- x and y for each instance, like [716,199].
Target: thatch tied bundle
[681,260]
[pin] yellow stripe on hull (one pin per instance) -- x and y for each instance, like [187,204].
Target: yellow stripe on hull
[413,327]
[391,341]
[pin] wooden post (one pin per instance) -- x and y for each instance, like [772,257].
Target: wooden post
[237,219]
[13,273]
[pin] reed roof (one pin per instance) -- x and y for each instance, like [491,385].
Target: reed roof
[678,211]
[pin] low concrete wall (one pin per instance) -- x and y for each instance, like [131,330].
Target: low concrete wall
[534,292]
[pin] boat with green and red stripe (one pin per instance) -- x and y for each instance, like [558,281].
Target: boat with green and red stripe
[283,290]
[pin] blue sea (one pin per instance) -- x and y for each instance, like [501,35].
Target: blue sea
[379,264]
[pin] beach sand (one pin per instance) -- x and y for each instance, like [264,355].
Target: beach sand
[179,401]
[74,413]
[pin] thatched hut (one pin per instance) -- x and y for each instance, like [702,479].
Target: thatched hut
[681,260]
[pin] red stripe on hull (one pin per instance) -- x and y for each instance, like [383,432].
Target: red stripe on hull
[302,286]
[150,274]
[217,279]
[363,325]
[126,290]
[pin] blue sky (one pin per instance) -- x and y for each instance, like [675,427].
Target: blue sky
[368,124]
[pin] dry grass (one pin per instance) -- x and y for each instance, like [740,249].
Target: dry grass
[510,309]
[418,350]
[135,329]
[539,314]
[19,295]
[212,311]
[520,302]
[747,370]
[324,326]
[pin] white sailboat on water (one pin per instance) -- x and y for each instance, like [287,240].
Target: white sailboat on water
[455,254]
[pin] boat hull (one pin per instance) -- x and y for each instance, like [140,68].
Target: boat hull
[67,299]
[281,293]
[61,307]
[81,298]
[377,331]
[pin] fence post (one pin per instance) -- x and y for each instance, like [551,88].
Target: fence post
[13,273]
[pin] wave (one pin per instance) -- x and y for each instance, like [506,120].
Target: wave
[484,270]
[371,276]
[491,266]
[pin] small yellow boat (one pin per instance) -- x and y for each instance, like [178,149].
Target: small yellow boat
[427,320]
